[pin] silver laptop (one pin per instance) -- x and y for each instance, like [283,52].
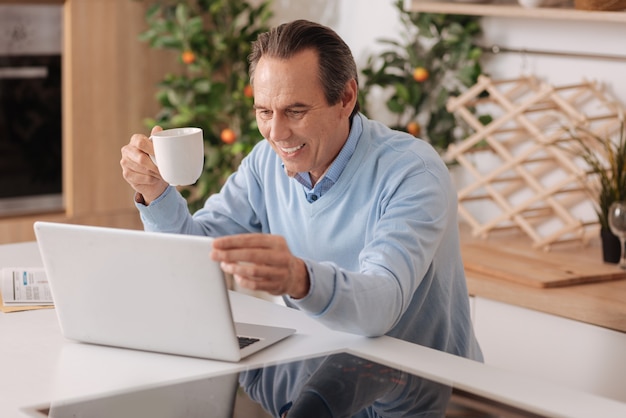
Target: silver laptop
[147,291]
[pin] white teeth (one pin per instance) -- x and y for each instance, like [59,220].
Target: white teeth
[291,150]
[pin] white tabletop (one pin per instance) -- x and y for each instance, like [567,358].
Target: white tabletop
[38,365]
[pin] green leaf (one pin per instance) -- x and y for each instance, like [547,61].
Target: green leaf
[395,106]
[402,92]
[182,13]
[194,26]
[238,147]
[153,11]
[485,119]
[202,86]
[182,119]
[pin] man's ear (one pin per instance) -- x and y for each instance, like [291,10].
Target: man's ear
[350,96]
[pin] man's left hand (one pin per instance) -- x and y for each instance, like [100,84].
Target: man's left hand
[262,262]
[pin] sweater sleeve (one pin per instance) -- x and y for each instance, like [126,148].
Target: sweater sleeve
[236,209]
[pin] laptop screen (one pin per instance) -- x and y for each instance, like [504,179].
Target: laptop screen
[336,385]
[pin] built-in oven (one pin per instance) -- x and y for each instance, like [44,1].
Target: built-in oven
[30,108]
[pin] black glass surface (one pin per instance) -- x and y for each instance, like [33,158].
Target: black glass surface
[337,385]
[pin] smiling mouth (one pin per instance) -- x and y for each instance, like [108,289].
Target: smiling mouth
[292,149]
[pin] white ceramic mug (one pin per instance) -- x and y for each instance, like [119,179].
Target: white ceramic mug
[179,155]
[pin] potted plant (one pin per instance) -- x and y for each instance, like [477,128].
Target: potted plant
[436,57]
[212,92]
[606,158]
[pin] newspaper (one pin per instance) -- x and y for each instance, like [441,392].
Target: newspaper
[25,287]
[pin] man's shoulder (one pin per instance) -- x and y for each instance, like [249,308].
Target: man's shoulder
[263,164]
[261,155]
[261,149]
[385,140]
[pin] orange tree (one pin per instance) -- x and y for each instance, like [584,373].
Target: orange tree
[212,91]
[436,58]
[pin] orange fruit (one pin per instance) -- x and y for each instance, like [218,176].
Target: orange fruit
[188,57]
[420,74]
[228,136]
[247,91]
[413,128]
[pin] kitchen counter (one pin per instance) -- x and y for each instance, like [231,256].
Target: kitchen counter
[601,303]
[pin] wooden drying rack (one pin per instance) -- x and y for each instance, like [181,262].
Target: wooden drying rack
[522,164]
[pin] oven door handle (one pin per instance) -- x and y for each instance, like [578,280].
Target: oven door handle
[23,72]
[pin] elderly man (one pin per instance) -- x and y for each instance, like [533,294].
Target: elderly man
[350,221]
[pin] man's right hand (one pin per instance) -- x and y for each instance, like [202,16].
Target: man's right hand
[139,170]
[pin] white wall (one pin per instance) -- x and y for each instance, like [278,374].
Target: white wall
[562,36]
[360,23]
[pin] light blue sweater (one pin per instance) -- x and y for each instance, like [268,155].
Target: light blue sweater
[382,245]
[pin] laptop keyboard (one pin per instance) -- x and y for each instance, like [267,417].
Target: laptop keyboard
[246,341]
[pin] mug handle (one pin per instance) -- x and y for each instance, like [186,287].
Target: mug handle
[152,157]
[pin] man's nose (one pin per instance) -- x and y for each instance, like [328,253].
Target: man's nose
[279,128]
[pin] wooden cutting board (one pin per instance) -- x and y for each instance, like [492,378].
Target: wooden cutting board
[535,268]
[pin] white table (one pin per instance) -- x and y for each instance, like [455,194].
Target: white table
[38,365]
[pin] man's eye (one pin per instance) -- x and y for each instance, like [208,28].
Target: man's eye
[265,114]
[295,113]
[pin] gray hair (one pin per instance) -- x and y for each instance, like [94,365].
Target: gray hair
[336,63]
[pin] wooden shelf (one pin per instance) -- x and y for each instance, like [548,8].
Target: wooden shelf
[513,11]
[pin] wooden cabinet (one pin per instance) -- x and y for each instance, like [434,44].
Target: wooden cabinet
[109,83]
[512,10]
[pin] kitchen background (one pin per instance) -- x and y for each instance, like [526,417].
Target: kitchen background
[360,23]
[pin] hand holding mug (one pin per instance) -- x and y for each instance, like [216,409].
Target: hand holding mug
[150,164]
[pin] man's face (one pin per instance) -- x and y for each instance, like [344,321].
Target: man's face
[292,113]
